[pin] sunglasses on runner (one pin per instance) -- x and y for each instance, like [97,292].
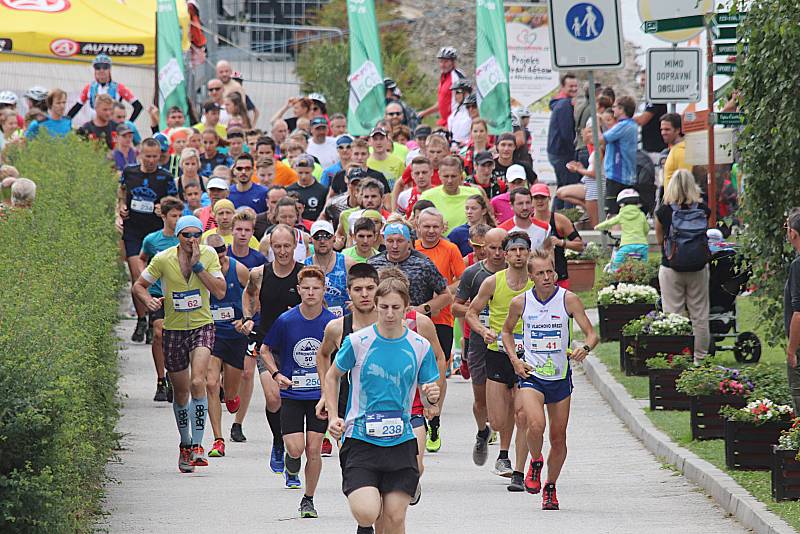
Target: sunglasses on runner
[215,88]
[476,245]
[394,113]
[240,169]
[190,235]
[102,67]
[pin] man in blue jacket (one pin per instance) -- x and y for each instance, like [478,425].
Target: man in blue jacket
[561,134]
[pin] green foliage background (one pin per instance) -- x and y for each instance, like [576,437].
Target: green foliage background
[59,281]
[768,79]
[323,66]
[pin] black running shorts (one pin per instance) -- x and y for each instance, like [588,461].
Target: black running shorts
[386,468]
[298,416]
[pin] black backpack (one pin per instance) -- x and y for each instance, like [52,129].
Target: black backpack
[686,246]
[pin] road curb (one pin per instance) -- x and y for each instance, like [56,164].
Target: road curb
[733,498]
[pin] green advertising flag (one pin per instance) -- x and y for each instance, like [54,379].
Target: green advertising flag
[367,96]
[491,72]
[169,58]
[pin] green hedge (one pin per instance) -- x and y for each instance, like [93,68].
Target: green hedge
[59,281]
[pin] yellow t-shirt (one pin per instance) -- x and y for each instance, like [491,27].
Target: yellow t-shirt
[229,238]
[675,161]
[392,167]
[186,303]
[222,131]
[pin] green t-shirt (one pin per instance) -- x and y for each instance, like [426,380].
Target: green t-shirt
[353,253]
[451,206]
[392,167]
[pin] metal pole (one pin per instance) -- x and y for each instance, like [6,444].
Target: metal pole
[673,107]
[598,164]
[712,168]
[208,16]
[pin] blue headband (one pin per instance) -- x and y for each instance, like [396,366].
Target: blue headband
[397,229]
[188,221]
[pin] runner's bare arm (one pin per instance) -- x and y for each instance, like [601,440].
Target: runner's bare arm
[331,395]
[272,368]
[329,345]
[480,301]
[426,329]
[140,291]
[436,303]
[243,275]
[567,228]
[578,312]
[459,307]
[250,298]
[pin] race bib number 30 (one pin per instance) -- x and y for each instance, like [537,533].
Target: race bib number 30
[186,301]
[385,424]
[306,381]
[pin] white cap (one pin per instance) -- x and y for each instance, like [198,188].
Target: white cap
[714,235]
[321,226]
[515,172]
[217,183]
[626,194]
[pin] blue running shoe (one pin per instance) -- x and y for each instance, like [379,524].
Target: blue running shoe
[276,460]
[292,481]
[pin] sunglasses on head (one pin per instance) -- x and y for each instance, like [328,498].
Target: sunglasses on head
[190,235]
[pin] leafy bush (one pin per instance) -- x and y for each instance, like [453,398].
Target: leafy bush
[768,149]
[627,294]
[659,324]
[711,379]
[634,272]
[59,280]
[322,66]
[680,362]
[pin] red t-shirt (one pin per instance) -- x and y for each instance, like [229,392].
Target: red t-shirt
[417,408]
[446,97]
[407,180]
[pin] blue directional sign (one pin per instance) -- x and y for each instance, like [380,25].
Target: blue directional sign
[585,35]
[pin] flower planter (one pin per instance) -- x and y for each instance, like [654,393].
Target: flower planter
[663,395]
[706,421]
[749,446]
[581,274]
[624,343]
[614,316]
[647,346]
[785,475]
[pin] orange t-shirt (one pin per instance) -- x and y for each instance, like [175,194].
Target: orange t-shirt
[284,175]
[447,258]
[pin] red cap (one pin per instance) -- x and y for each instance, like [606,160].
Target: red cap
[540,190]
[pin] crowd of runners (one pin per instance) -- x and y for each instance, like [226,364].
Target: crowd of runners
[351,276]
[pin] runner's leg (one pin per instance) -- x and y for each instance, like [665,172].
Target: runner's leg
[200,357]
[558,414]
[232,378]
[365,505]
[313,461]
[246,389]
[530,403]
[135,267]
[212,387]
[393,514]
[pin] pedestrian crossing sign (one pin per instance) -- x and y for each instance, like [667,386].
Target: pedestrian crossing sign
[585,35]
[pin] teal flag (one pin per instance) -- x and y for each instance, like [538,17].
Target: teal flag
[171,81]
[491,71]
[367,96]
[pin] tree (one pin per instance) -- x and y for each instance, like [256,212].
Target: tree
[767,78]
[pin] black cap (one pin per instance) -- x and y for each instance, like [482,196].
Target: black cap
[482,157]
[422,131]
[356,173]
[211,106]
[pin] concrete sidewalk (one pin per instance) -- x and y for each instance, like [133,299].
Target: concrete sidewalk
[610,482]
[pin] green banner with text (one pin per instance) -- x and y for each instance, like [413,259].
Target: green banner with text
[367,96]
[171,79]
[491,71]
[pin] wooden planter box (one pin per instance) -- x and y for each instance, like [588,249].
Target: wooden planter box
[749,446]
[647,346]
[624,343]
[705,419]
[581,274]
[785,475]
[663,395]
[614,316]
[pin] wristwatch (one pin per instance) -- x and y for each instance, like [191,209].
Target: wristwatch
[587,348]
[427,309]
[245,319]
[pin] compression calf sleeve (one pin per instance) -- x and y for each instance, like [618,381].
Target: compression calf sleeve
[182,418]
[198,409]
[292,464]
[274,421]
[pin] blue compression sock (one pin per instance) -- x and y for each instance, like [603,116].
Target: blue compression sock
[182,418]
[198,409]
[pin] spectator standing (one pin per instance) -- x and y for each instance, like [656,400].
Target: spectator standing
[449,75]
[124,154]
[104,85]
[791,307]
[459,123]
[649,120]
[683,275]
[672,134]
[619,162]
[56,124]
[561,134]
[321,146]
[230,86]
[101,127]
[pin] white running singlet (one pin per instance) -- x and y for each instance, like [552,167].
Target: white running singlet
[546,330]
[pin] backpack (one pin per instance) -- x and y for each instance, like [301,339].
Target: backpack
[686,246]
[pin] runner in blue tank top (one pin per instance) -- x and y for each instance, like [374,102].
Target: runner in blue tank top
[334,264]
[289,353]
[544,376]
[230,344]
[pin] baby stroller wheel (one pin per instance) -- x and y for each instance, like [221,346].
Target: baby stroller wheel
[747,348]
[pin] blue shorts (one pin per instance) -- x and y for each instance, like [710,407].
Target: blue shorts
[418,421]
[553,390]
[624,251]
[231,350]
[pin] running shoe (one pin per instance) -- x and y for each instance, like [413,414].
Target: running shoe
[218,449]
[185,464]
[292,481]
[148,335]
[480,451]
[236,433]
[307,508]
[327,447]
[502,467]
[417,495]
[493,438]
[533,482]
[198,456]
[464,369]
[168,386]
[138,332]
[549,498]
[276,459]
[161,392]
[434,442]
[233,405]
[517,483]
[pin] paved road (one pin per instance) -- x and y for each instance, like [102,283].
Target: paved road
[610,482]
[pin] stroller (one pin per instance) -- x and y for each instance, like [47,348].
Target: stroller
[729,278]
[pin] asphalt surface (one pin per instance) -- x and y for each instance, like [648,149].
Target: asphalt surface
[610,482]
